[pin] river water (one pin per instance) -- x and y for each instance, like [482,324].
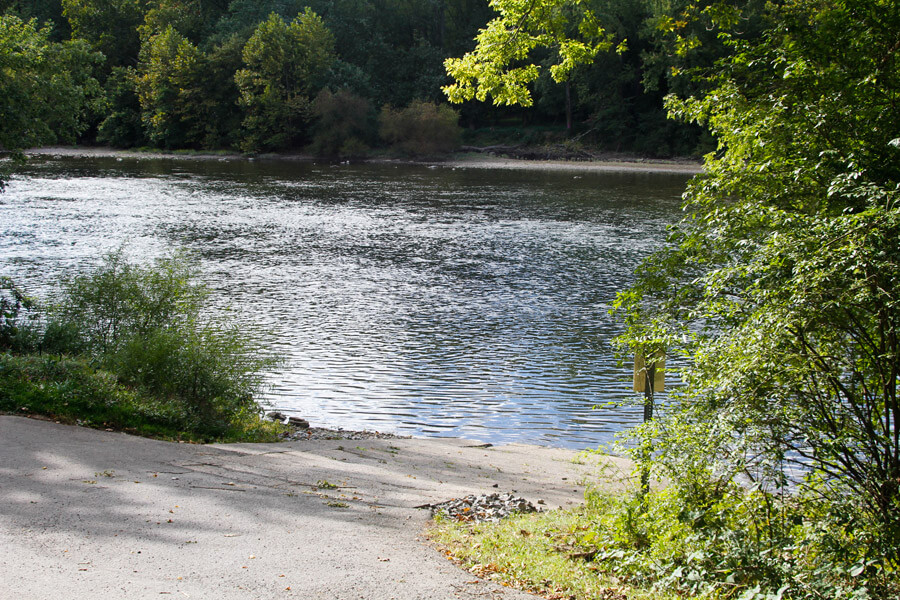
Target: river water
[432,301]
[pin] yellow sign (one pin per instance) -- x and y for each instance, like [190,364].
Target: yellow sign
[658,360]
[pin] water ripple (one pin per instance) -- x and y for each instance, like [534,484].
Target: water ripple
[427,301]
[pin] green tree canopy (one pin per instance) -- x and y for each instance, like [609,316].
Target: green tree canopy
[499,67]
[47,89]
[169,68]
[284,62]
[109,26]
[781,286]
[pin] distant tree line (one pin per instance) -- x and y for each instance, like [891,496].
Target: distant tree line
[336,77]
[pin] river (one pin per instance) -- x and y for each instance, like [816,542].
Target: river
[426,300]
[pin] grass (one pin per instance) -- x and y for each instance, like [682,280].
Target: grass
[72,391]
[543,553]
[133,347]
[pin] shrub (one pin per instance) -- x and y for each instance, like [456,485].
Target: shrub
[421,129]
[343,124]
[119,300]
[149,327]
[72,390]
[13,303]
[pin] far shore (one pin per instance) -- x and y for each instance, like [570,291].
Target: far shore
[459,160]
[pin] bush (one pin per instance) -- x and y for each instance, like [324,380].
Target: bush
[718,528]
[148,326]
[119,301]
[343,124]
[72,390]
[421,129]
[748,544]
[13,303]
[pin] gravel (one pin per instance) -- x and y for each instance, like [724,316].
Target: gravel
[323,433]
[300,430]
[477,509]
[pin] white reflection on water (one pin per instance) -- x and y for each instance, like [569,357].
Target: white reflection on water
[426,301]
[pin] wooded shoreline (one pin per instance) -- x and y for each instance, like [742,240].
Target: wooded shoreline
[457,160]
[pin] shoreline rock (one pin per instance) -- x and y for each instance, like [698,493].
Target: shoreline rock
[479,509]
[301,430]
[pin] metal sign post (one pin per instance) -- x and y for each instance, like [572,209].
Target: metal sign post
[649,378]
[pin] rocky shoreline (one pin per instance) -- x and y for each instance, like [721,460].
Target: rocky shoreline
[300,430]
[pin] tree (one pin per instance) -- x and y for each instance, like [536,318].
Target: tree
[169,67]
[343,126]
[498,68]
[46,13]
[282,65]
[47,89]
[216,96]
[779,287]
[184,16]
[109,26]
[121,128]
[789,260]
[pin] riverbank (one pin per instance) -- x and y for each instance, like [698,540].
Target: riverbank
[458,160]
[94,513]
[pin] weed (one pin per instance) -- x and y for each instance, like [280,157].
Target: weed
[538,553]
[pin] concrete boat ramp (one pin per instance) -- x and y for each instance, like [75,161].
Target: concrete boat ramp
[88,514]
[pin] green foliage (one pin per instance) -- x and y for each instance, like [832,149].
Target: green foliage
[499,67]
[170,67]
[73,390]
[215,97]
[737,543]
[780,288]
[13,326]
[242,17]
[148,326]
[120,300]
[49,13]
[122,126]
[344,123]
[183,16]
[389,52]
[421,129]
[47,89]
[283,63]
[109,26]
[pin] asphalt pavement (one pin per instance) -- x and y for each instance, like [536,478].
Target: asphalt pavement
[89,514]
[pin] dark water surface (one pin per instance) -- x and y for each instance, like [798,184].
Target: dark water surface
[429,301]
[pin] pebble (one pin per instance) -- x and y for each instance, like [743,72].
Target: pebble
[322,433]
[486,507]
[301,430]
